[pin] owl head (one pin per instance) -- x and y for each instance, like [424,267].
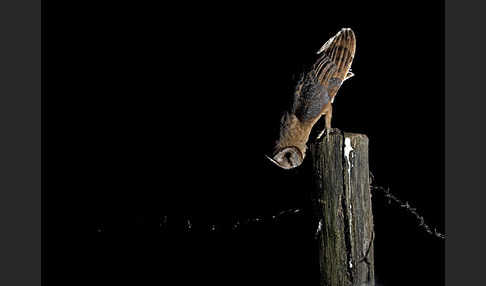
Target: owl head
[287,158]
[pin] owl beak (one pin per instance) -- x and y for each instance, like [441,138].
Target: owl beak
[272,160]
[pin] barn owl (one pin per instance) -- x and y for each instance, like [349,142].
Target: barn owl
[313,98]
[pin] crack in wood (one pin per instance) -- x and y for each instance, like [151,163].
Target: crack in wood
[344,203]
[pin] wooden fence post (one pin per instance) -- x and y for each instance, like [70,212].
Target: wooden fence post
[343,208]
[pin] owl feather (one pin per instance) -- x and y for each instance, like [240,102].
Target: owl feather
[313,98]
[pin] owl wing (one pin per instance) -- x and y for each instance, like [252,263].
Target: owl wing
[310,98]
[321,84]
[333,66]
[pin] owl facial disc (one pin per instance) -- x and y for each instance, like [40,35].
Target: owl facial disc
[287,158]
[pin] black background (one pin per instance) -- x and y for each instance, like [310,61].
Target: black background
[154,111]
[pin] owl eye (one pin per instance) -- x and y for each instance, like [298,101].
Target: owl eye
[288,156]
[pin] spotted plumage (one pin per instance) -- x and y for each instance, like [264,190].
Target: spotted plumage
[313,98]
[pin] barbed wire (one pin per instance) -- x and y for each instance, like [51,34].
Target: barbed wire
[235,225]
[241,221]
[405,205]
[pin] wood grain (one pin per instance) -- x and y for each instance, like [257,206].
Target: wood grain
[343,205]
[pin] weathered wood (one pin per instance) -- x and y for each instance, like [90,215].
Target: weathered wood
[343,200]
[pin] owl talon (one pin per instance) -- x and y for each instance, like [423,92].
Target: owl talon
[320,134]
[326,132]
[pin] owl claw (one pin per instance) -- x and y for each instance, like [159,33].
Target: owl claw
[320,134]
[326,132]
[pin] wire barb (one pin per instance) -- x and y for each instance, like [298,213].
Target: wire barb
[405,205]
